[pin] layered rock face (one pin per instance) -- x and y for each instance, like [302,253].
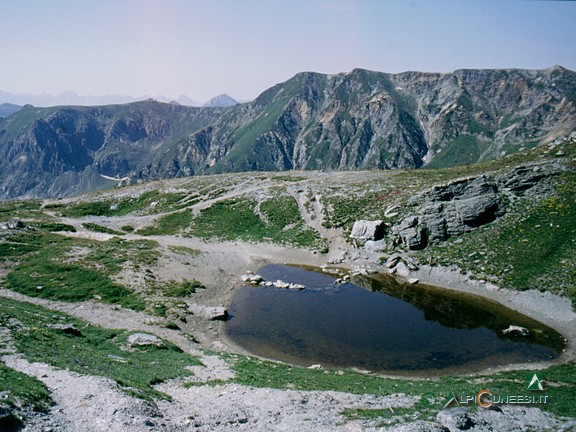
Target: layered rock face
[355,120]
[455,208]
[451,210]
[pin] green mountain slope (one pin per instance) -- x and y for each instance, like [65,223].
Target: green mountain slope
[349,121]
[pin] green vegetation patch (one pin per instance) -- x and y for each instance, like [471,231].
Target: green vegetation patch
[18,244]
[95,208]
[288,178]
[281,211]
[463,150]
[19,209]
[183,250]
[40,277]
[170,224]
[229,220]
[174,288]
[97,351]
[343,210]
[430,394]
[101,229]
[21,390]
[110,256]
[45,271]
[152,201]
[236,219]
[55,227]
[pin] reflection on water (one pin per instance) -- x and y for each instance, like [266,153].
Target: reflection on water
[383,327]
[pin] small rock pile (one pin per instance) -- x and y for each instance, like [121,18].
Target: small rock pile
[255,279]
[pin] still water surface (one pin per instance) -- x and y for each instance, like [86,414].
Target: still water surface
[382,326]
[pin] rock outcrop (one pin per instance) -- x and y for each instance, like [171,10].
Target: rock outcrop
[365,230]
[69,329]
[144,339]
[516,331]
[13,224]
[451,209]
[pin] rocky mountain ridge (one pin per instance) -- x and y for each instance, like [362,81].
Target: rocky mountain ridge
[64,151]
[355,120]
[7,108]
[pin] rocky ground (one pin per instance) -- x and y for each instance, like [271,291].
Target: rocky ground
[96,404]
[92,403]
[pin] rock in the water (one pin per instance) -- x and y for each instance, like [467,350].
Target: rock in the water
[281,284]
[364,230]
[252,278]
[144,339]
[516,331]
[413,281]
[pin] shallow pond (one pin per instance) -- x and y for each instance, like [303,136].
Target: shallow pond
[380,326]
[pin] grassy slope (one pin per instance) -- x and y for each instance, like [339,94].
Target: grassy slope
[44,270]
[97,352]
[42,254]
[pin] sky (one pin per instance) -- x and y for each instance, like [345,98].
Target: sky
[201,48]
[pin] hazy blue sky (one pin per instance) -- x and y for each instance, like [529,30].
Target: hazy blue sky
[241,47]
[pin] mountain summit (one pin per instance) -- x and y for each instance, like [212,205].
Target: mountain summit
[222,100]
[349,121]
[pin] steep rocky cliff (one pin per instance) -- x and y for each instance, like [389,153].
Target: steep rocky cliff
[64,151]
[367,120]
[355,120]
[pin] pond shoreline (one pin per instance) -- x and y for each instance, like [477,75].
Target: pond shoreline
[548,309]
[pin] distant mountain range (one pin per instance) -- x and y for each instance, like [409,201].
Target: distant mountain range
[355,120]
[71,98]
